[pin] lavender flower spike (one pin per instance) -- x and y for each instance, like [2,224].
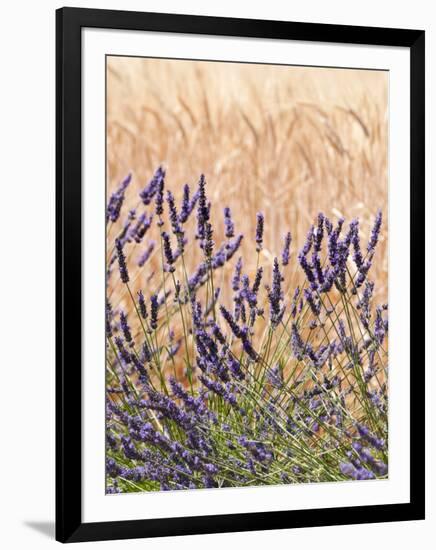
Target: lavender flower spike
[355,239]
[275,295]
[375,232]
[360,473]
[126,328]
[257,280]
[308,244]
[228,222]
[185,210]
[371,438]
[116,200]
[188,205]
[142,305]
[259,231]
[146,254]
[174,218]
[237,275]
[167,249]
[202,209]
[297,343]
[154,310]
[124,274]
[151,189]
[231,322]
[285,253]
[208,241]
[307,270]
[108,319]
[160,199]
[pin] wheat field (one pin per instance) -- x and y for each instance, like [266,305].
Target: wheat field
[287,141]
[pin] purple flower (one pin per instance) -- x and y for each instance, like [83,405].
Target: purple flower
[145,353]
[216,330]
[142,305]
[174,218]
[162,299]
[125,232]
[202,208]
[294,301]
[218,388]
[124,354]
[153,186]
[257,449]
[228,223]
[140,368]
[259,231]
[247,346]
[317,243]
[184,210]
[208,241]
[275,376]
[176,254]
[122,261]
[233,246]
[365,433]
[235,367]
[237,275]
[211,469]
[297,343]
[192,404]
[348,469]
[116,200]
[109,315]
[143,258]
[167,249]
[363,272]
[230,321]
[333,243]
[339,251]
[154,311]
[329,278]
[365,303]
[377,465]
[125,328]
[308,244]
[360,473]
[314,303]
[318,233]
[307,270]
[355,239]
[275,296]
[380,326]
[257,281]
[286,248]
[187,204]
[159,198]
[198,278]
[246,293]
[174,348]
[141,227]
[375,232]
[328,225]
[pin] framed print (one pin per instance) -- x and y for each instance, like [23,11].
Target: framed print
[240,257]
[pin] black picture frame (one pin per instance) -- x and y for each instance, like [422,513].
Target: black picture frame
[69,525]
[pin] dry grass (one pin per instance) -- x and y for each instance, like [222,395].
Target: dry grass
[288,141]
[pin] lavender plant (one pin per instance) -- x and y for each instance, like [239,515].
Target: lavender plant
[255,384]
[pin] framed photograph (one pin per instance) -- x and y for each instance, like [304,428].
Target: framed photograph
[240,267]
